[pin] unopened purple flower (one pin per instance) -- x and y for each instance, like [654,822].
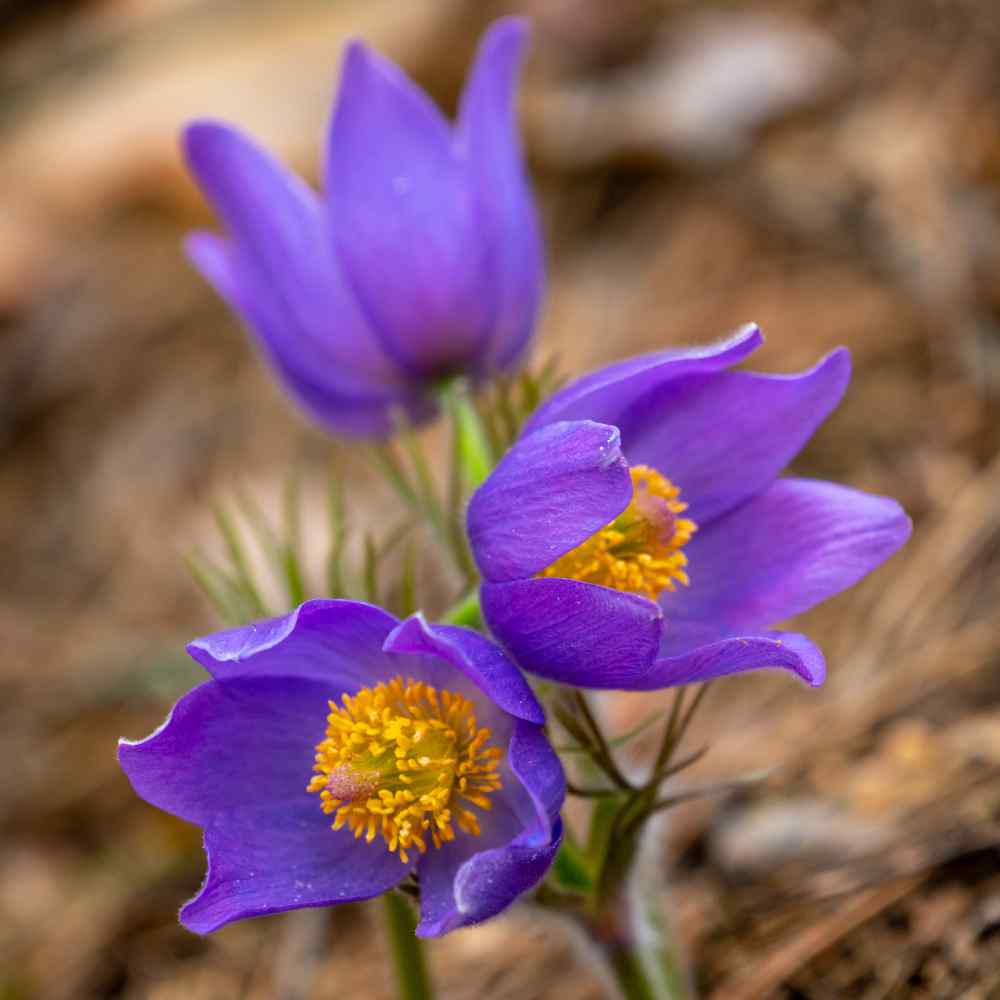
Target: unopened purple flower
[420,745]
[637,535]
[421,260]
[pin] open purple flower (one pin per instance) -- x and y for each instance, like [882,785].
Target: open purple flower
[421,745]
[422,259]
[600,571]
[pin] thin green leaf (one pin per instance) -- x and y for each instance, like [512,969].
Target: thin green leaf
[465,612]
[657,779]
[387,546]
[474,454]
[505,410]
[294,577]
[223,593]
[488,418]
[704,791]
[408,581]
[263,533]
[619,741]
[531,394]
[602,824]
[388,464]
[591,793]
[238,559]
[338,536]
[570,869]
[370,572]
[291,563]
[426,491]
[456,493]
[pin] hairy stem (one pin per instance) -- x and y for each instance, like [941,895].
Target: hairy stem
[631,928]
[408,964]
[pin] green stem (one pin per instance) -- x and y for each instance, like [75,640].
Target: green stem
[626,917]
[473,446]
[638,944]
[465,612]
[657,945]
[630,975]
[409,966]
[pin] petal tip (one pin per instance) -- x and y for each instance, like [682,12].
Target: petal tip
[200,139]
[400,639]
[362,67]
[356,56]
[511,30]
[838,364]
[749,333]
[194,919]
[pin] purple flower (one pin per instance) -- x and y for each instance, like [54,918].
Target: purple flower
[422,259]
[637,535]
[422,741]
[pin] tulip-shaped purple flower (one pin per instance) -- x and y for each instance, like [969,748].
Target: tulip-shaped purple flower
[422,259]
[337,751]
[637,535]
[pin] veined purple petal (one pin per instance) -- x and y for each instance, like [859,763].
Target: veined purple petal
[293,280]
[236,756]
[792,546]
[606,394]
[273,859]
[548,494]
[473,878]
[572,632]
[227,744]
[535,765]
[405,223]
[489,882]
[723,437]
[438,868]
[336,642]
[487,128]
[350,407]
[422,262]
[473,655]
[735,655]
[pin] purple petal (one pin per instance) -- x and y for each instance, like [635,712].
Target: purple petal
[488,883]
[548,494]
[575,633]
[735,655]
[488,129]
[336,642]
[473,655]
[405,223]
[474,878]
[269,860]
[535,765]
[725,436]
[313,322]
[227,744]
[439,867]
[606,394]
[330,391]
[792,546]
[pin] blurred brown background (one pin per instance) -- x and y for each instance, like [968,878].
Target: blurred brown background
[827,168]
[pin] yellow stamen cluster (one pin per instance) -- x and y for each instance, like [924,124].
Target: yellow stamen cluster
[640,550]
[398,759]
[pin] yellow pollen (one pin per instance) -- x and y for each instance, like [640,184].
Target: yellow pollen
[640,550]
[400,761]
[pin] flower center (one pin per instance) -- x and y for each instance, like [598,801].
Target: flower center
[399,760]
[640,550]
